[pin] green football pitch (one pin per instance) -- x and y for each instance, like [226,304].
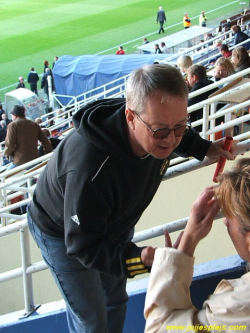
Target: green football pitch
[33,31]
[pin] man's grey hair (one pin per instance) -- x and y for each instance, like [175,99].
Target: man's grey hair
[3,123]
[152,79]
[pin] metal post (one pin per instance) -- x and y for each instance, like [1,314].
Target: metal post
[49,78]
[27,278]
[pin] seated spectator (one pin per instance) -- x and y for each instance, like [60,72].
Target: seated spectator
[1,110]
[184,62]
[54,141]
[168,301]
[120,50]
[240,59]
[228,24]
[145,41]
[164,48]
[239,36]
[7,120]
[197,79]
[207,37]
[3,130]
[223,68]
[20,83]
[38,121]
[157,49]
[59,118]
[225,51]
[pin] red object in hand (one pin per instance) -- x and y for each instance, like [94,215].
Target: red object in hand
[222,161]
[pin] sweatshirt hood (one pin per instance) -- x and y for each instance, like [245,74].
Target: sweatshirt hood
[103,123]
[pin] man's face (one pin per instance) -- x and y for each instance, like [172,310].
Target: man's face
[191,79]
[159,113]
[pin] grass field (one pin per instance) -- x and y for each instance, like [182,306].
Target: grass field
[33,31]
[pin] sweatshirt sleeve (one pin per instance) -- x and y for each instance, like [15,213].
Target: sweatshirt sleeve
[88,232]
[192,144]
[10,141]
[168,304]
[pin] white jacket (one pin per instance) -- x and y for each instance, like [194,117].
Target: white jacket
[168,306]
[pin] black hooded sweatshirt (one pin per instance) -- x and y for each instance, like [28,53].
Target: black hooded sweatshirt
[94,189]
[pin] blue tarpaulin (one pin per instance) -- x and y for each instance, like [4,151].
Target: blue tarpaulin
[76,75]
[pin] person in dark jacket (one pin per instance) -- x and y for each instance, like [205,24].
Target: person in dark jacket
[239,36]
[157,49]
[32,79]
[3,130]
[21,83]
[54,141]
[44,81]
[197,79]
[96,186]
[161,18]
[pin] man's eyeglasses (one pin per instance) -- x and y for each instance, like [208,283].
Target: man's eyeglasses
[163,132]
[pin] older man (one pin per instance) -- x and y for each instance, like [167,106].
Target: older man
[22,138]
[97,184]
[161,18]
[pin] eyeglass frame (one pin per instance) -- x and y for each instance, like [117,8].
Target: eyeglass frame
[153,131]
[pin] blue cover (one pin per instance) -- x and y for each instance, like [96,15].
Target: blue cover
[75,75]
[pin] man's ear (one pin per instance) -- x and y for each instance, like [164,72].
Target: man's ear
[196,78]
[130,118]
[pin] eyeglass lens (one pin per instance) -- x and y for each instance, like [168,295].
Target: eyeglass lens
[161,133]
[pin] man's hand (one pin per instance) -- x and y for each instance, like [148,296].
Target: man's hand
[168,242]
[216,149]
[147,256]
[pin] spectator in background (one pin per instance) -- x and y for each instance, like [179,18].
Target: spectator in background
[145,40]
[39,121]
[120,50]
[54,141]
[240,59]
[22,138]
[186,21]
[5,117]
[164,48]
[184,62]
[1,110]
[32,79]
[3,130]
[197,79]
[44,82]
[225,51]
[223,68]
[228,24]
[161,18]
[202,19]
[20,83]
[239,36]
[157,49]
[46,65]
[55,61]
